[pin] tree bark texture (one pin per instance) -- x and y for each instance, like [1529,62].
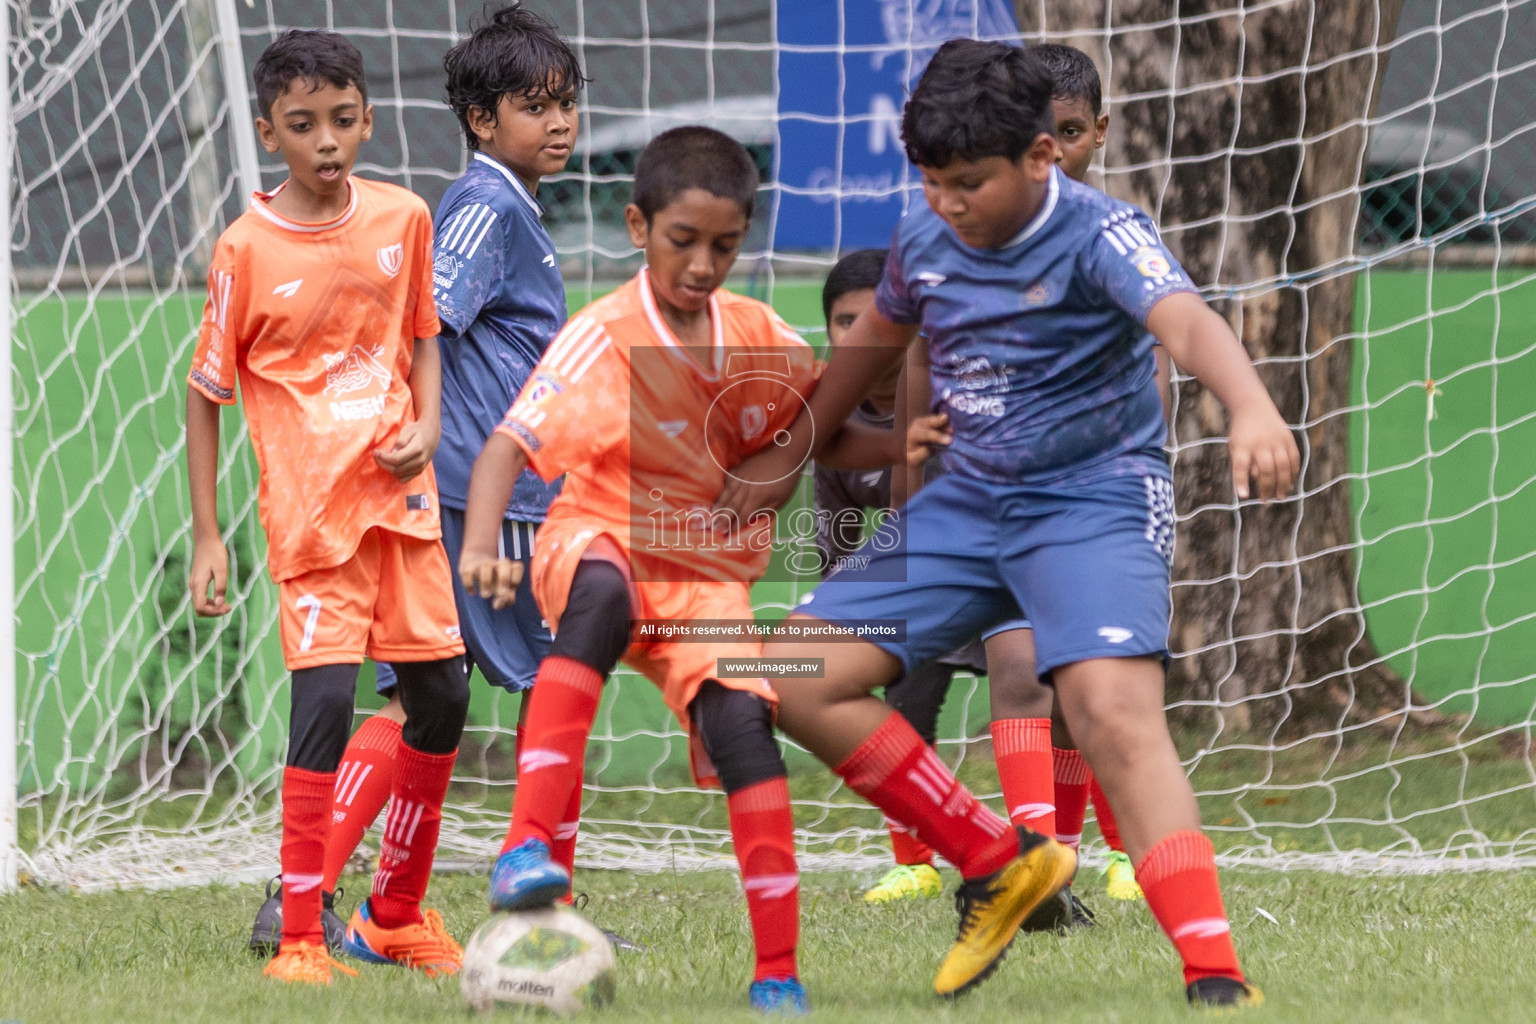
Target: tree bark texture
[1241,129]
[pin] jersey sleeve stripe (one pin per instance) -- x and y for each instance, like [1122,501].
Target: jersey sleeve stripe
[586,363]
[450,230]
[223,283]
[462,225]
[480,235]
[468,226]
[577,352]
[1138,231]
[570,335]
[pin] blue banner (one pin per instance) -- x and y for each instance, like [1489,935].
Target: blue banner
[843,72]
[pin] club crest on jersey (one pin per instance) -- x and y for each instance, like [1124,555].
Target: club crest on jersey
[390,258]
[1150,262]
[1037,295]
[753,420]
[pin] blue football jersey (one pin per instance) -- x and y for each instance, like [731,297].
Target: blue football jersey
[1039,349]
[501,301]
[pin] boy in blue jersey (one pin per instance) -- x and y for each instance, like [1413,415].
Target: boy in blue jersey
[513,83]
[1036,296]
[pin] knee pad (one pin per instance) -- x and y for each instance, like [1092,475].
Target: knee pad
[598,617]
[435,696]
[736,729]
[320,721]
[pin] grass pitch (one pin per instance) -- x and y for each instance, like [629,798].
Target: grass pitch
[1324,948]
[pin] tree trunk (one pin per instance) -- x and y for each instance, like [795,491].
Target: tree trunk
[1244,136]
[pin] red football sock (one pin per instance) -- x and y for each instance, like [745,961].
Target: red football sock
[410,835]
[306,823]
[900,774]
[1179,877]
[363,782]
[561,851]
[554,740]
[1072,776]
[763,832]
[1022,747]
[562,848]
[1101,810]
[907,848]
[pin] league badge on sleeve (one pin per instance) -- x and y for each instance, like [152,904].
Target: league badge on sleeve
[1150,262]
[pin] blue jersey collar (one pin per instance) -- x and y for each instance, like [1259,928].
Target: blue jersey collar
[1052,191]
[514,181]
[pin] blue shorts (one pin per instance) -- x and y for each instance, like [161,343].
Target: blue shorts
[1085,564]
[506,645]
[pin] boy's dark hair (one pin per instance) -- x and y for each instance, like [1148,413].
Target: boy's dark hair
[312,56]
[513,52]
[977,100]
[1076,76]
[694,157]
[854,272]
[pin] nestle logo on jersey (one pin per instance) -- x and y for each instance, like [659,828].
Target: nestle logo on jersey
[445,269]
[352,371]
[358,409]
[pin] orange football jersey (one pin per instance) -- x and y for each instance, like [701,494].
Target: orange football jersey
[645,430]
[319,322]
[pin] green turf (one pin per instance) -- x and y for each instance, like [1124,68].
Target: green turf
[1324,948]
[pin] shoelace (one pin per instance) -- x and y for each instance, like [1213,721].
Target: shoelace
[433,921]
[966,899]
[309,954]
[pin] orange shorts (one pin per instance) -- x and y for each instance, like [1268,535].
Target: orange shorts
[391,601]
[677,669]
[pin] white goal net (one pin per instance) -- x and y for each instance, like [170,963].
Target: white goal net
[1350,683]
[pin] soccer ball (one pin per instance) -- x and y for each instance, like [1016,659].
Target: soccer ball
[553,958]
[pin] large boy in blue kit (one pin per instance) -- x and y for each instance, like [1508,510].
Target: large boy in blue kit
[1036,296]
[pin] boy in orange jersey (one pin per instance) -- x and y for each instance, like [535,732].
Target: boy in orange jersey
[645,401]
[320,302]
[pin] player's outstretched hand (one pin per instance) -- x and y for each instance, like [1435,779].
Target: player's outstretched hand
[927,436]
[760,484]
[490,577]
[1265,460]
[412,452]
[210,568]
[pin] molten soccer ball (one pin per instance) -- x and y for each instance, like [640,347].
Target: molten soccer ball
[553,958]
